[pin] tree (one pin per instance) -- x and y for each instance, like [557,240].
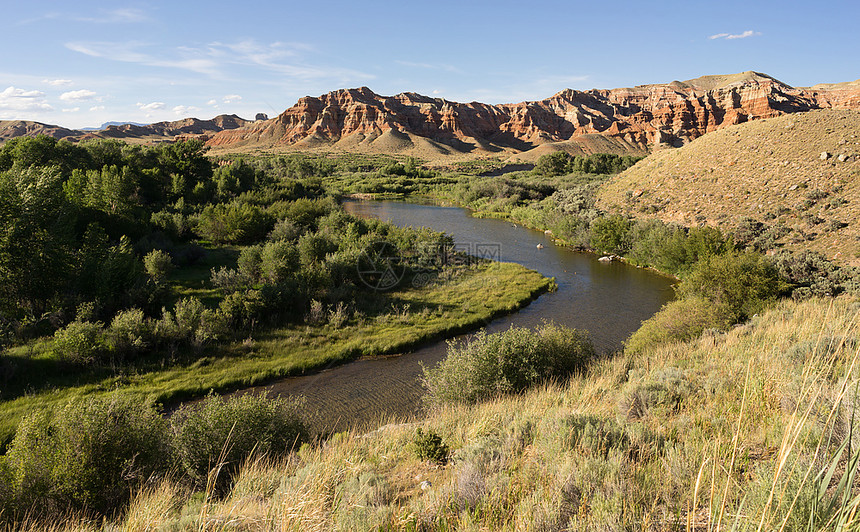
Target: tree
[553,164]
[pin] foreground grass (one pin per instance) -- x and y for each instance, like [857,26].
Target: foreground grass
[468,299]
[726,431]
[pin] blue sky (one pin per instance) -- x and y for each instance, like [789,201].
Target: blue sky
[82,63]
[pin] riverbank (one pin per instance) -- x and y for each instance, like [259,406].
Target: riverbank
[665,439]
[464,300]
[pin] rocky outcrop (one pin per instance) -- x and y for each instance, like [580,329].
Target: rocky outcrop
[644,116]
[160,131]
[185,127]
[10,129]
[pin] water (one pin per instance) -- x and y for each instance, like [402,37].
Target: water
[609,300]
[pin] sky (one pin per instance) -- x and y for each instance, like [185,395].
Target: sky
[80,64]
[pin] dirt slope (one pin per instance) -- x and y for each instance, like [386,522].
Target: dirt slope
[798,172]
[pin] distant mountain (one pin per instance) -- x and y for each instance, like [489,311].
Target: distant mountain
[10,129]
[158,132]
[627,120]
[106,124]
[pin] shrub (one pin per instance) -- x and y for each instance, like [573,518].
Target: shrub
[226,279]
[677,321]
[129,332]
[249,263]
[89,455]
[235,222]
[738,284]
[666,388]
[429,446]
[220,433]
[507,362]
[158,265]
[278,260]
[611,234]
[241,310]
[80,342]
[553,164]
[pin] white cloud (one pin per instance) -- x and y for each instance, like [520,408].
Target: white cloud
[78,95]
[152,106]
[212,102]
[232,98]
[184,110]
[72,110]
[429,66]
[437,91]
[97,108]
[113,16]
[13,99]
[729,36]
[57,82]
[129,52]
[223,60]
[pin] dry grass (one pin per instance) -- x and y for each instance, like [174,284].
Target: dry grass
[734,429]
[769,170]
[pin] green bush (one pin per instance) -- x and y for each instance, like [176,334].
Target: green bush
[738,284]
[249,263]
[89,455]
[278,260]
[158,265]
[220,433]
[677,321]
[129,332]
[611,234]
[429,446]
[511,361]
[80,342]
[553,164]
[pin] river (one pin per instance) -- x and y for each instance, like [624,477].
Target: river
[609,300]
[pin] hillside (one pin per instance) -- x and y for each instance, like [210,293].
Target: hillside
[157,132]
[624,121]
[10,129]
[652,441]
[799,175]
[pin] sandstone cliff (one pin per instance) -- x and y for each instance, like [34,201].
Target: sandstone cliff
[619,120]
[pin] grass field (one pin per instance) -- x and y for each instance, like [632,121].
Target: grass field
[465,300]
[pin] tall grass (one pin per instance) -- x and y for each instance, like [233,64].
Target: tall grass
[752,429]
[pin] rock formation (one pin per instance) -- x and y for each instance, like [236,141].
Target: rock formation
[185,128]
[641,117]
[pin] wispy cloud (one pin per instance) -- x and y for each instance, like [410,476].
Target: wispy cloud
[72,110]
[57,82]
[730,36]
[221,60]
[429,66]
[115,16]
[97,108]
[182,110]
[13,99]
[73,96]
[232,98]
[285,58]
[130,52]
[124,15]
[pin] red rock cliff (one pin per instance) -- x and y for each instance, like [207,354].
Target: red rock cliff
[673,113]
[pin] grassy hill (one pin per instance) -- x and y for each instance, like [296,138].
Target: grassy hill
[772,172]
[726,431]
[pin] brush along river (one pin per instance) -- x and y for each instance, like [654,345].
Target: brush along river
[609,300]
